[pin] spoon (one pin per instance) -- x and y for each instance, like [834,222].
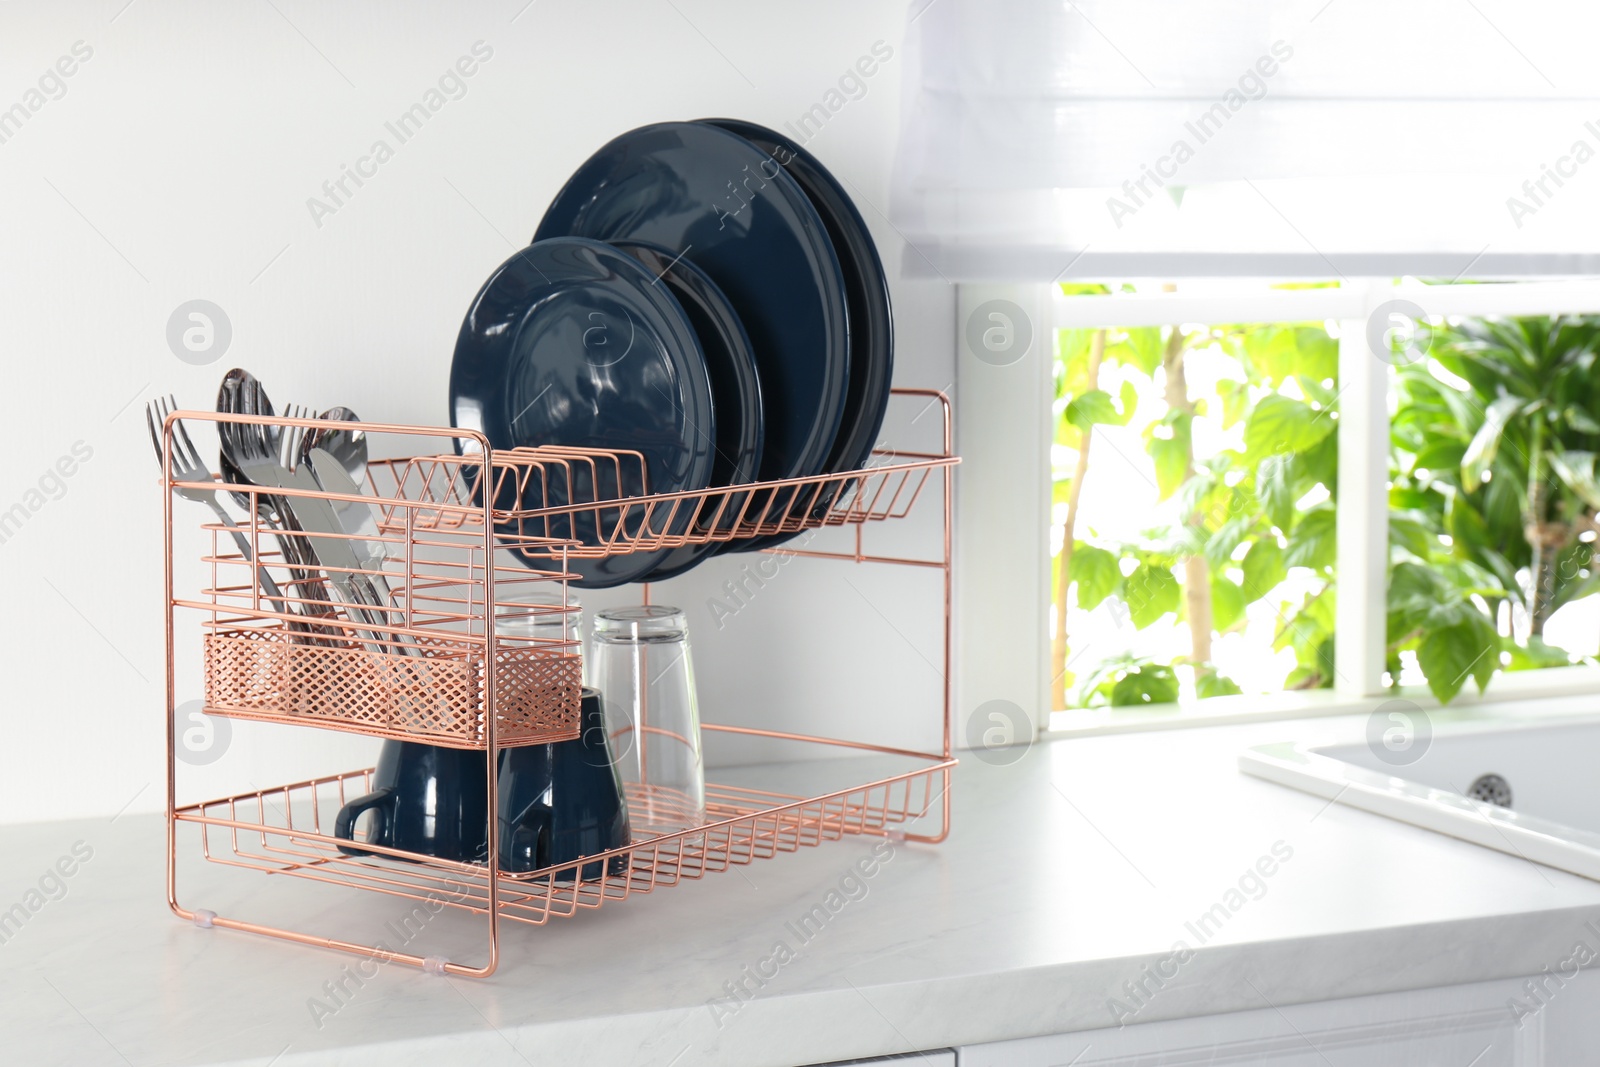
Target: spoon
[347,447]
[338,458]
[241,394]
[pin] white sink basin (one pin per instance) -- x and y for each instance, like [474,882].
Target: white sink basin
[1421,772]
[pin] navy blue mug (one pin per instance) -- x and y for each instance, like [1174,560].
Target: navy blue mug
[426,799]
[561,802]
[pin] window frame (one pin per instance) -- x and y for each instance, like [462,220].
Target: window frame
[989,426]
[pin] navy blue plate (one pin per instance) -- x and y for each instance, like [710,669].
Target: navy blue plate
[570,343]
[866,290]
[731,210]
[735,390]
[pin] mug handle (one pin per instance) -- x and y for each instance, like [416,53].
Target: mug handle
[345,825]
[532,828]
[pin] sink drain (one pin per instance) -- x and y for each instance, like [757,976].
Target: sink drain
[1491,789]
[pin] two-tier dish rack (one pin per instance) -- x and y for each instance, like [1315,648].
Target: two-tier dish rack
[453,532]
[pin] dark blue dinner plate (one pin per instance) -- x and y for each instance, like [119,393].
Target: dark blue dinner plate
[569,342]
[866,290]
[735,392]
[727,207]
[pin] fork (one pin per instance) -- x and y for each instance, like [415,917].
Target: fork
[290,437]
[255,451]
[187,466]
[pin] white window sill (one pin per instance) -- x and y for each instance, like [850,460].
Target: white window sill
[1216,711]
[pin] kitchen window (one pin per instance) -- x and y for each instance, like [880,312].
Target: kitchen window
[1299,145]
[1222,476]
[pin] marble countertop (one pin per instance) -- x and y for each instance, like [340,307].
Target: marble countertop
[1122,878]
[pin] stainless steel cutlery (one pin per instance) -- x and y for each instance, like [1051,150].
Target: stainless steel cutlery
[339,541]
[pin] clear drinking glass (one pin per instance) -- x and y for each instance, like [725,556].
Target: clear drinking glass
[641,664]
[540,612]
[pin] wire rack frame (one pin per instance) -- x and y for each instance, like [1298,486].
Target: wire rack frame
[283,830]
[259,831]
[593,521]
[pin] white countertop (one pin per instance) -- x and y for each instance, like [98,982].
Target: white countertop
[1064,877]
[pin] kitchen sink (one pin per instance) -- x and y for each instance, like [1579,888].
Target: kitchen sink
[1505,778]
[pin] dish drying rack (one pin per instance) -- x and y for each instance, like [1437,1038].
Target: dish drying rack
[429,667]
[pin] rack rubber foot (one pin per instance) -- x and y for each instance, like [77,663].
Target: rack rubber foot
[204,918]
[434,965]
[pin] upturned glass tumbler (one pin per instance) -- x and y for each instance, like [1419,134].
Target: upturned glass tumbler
[543,613]
[641,662]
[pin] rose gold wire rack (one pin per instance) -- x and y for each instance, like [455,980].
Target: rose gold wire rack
[451,543]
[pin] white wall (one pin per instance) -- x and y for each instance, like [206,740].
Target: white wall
[177,165]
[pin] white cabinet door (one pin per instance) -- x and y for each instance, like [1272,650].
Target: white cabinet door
[1491,1024]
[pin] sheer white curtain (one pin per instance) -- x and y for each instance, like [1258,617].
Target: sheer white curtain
[1323,137]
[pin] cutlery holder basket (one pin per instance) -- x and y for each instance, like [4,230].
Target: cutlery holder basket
[438,696]
[383,625]
[381,622]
